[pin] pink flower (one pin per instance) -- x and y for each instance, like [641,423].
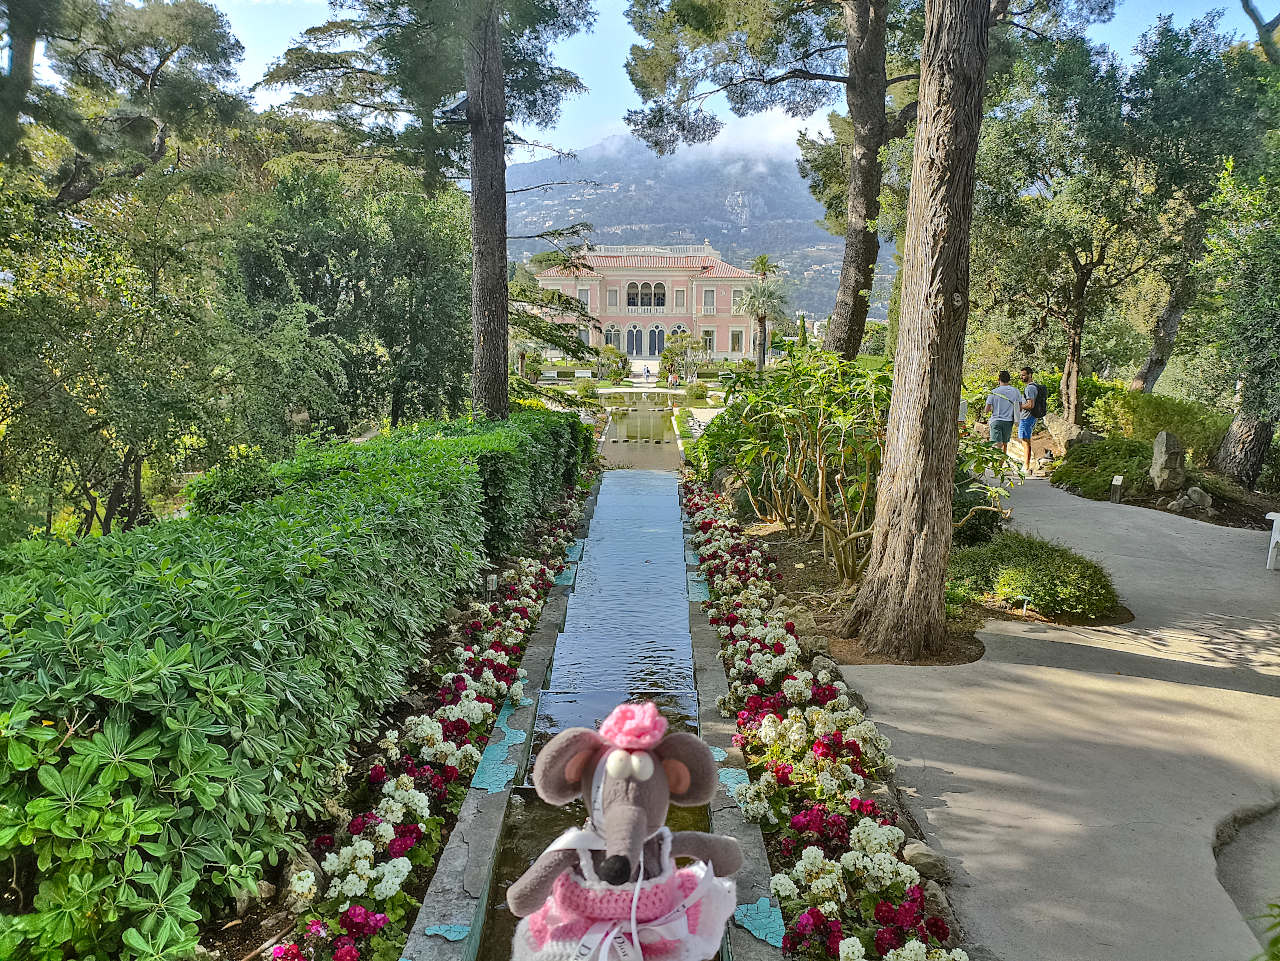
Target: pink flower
[289,952]
[377,774]
[317,928]
[634,726]
[347,953]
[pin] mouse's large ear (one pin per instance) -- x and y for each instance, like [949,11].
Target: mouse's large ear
[690,768]
[560,766]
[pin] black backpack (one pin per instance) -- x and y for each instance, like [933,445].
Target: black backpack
[1039,406]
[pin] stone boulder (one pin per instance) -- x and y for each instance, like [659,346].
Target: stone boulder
[1066,434]
[1168,462]
[926,860]
[1200,497]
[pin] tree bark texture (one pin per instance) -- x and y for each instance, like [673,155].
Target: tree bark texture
[761,346]
[899,609]
[1164,336]
[23,29]
[1244,448]
[486,114]
[1069,386]
[864,22]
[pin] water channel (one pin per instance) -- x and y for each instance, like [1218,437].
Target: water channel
[626,638]
[640,432]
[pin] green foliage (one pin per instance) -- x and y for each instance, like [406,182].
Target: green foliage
[1052,579]
[1091,390]
[1088,468]
[181,692]
[1140,416]
[696,391]
[584,387]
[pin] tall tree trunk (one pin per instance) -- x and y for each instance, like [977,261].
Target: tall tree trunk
[761,344]
[899,607]
[1244,448]
[865,96]
[23,29]
[1164,335]
[397,404]
[1069,387]
[486,114]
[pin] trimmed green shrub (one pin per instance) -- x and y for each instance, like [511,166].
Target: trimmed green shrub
[176,697]
[696,391]
[1140,416]
[1091,389]
[1049,577]
[1088,468]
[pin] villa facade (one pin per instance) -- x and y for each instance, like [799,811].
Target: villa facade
[642,295]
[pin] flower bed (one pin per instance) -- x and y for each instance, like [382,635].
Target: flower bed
[387,815]
[846,892]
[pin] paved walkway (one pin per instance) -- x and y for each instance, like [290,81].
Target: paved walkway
[1077,777]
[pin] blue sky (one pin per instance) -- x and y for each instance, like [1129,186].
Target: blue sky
[268,27]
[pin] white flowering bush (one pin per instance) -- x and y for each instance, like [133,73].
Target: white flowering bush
[847,894]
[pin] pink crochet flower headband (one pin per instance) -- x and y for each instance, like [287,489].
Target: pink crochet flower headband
[634,727]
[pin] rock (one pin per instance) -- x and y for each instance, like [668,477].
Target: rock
[814,643]
[1168,462]
[301,861]
[1199,497]
[1180,504]
[266,890]
[202,953]
[936,898]
[1066,434]
[243,900]
[924,859]
[823,663]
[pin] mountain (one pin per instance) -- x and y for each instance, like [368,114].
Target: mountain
[746,203]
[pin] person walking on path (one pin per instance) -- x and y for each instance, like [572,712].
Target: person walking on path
[646,373]
[1003,404]
[1034,406]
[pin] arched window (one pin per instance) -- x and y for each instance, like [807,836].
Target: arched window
[633,294]
[584,335]
[659,294]
[646,294]
[679,329]
[657,341]
[613,337]
[635,340]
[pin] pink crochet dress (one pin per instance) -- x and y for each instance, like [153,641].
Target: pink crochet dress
[680,915]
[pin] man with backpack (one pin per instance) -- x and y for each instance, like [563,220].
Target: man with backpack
[1002,406]
[1035,405]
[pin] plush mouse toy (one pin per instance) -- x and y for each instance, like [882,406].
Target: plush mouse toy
[611,890]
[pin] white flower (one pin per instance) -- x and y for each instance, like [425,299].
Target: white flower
[303,886]
[851,949]
[781,886]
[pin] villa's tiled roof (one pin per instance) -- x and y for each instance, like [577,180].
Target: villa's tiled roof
[707,266]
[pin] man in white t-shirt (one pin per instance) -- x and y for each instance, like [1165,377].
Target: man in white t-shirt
[1004,404]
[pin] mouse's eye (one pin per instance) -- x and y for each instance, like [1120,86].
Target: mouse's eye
[641,766]
[618,764]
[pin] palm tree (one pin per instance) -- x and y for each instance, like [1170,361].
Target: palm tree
[765,301]
[763,267]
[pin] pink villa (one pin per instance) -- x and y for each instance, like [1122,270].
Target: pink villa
[642,294]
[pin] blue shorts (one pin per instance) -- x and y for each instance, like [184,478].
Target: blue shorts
[1001,431]
[1026,427]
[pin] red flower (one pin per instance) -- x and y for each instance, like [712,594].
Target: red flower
[377,774]
[884,913]
[324,842]
[886,940]
[906,915]
[346,953]
[938,928]
[399,847]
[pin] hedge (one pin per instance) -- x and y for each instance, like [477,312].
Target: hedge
[1049,577]
[524,463]
[215,668]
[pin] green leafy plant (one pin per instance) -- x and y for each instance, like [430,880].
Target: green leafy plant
[1139,416]
[1048,577]
[178,695]
[1087,469]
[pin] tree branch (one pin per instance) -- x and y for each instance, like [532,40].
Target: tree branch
[1266,31]
[555,183]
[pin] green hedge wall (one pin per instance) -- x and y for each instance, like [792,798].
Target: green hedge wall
[217,666]
[524,464]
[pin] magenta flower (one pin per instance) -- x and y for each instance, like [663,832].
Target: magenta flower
[634,726]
